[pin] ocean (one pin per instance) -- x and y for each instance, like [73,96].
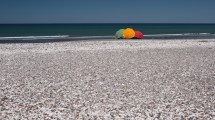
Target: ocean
[39,31]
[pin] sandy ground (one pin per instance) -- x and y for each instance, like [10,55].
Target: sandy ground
[107,80]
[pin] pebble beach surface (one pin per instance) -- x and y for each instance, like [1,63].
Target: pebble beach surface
[108,80]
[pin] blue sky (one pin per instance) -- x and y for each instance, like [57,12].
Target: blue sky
[107,11]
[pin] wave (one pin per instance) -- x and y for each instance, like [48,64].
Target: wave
[182,34]
[55,37]
[34,37]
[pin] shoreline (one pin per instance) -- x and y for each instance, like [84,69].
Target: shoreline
[64,38]
[105,44]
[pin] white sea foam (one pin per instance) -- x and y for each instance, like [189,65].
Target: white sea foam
[163,35]
[183,34]
[34,37]
[55,37]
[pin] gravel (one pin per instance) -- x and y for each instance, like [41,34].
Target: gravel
[107,80]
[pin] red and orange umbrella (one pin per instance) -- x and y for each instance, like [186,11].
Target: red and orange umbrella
[139,35]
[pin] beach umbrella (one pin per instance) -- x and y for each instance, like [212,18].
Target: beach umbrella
[119,34]
[138,35]
[128,33]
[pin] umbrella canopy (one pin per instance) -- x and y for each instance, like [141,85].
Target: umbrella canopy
[119,34]
[128,33]
[138,35]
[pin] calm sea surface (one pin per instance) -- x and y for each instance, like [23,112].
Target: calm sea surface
[77,30]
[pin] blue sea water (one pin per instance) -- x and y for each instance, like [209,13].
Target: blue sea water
[79,30]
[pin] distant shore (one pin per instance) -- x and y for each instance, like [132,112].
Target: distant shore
[108,79]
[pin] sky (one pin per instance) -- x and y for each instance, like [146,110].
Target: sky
[107,11]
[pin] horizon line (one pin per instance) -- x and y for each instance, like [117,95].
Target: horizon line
[108,23]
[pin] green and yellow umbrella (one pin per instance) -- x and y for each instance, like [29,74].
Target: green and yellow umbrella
[119,34]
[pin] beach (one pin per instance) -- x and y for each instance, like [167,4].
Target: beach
[108,79]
